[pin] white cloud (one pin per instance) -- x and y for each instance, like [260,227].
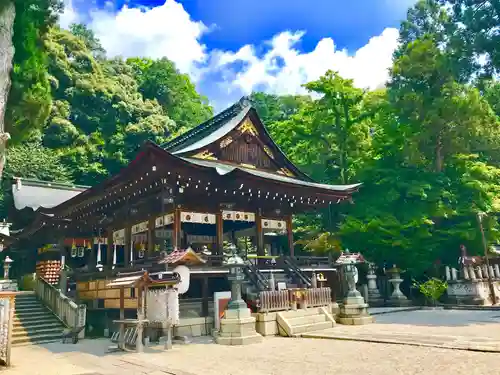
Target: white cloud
[283,69]
[69,15]
[168,30]
[165,30]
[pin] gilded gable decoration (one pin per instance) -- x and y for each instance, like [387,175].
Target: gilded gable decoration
[226,142]
[268,151]
[286,172]
[248,128]
[205,155]
[245,165]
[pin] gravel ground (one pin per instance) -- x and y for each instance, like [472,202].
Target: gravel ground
[274,356]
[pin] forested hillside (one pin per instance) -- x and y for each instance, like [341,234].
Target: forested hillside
[426,147]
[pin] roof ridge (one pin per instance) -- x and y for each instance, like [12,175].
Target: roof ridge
[230,111]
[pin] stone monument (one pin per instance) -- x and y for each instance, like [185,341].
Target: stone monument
[237,327]
[354,310]
[397,298]
[374,297]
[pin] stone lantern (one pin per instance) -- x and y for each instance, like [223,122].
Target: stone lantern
[6,267]
[236,278]
[354,310]
[237,327]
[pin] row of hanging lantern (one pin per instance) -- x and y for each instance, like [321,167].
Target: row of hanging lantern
[184,183]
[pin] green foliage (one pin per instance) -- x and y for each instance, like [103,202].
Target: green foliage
[425,148]
[160,80]
[29,160]
[432,289]
[29,100]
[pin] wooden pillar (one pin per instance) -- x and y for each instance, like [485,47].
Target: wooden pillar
[259,234]
[121,338]
[109,248]
[204,296]
[176,235]
[289,232]
[128,243]
[151,237]
[219,242]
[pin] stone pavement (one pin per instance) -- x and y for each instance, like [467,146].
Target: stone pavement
[448,329]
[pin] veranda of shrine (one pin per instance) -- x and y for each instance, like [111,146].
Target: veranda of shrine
[183,202]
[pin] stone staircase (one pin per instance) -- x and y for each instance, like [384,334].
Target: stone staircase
[293,323]
[33,322]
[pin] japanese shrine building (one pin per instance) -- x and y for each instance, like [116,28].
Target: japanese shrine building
[222,180]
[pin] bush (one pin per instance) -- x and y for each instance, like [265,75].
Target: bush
[432,289]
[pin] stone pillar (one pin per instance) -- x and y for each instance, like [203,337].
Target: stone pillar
[472,273]
[492,272]
[466,273]
[485,271]
[374,297]
[454,274]
[479,273]
[447,271]
[497,271]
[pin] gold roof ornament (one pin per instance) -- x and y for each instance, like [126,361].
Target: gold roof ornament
[205,155]
[248,127]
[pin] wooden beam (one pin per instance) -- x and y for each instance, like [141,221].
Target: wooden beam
[109,249]
[151,237]
[176,235]
[289,231]
[219,242]
[259,234]
[128,243]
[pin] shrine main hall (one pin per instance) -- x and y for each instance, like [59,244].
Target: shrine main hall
[222,182]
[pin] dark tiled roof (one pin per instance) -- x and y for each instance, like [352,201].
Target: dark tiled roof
[207,128]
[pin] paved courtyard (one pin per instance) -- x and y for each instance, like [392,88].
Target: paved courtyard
[278,356]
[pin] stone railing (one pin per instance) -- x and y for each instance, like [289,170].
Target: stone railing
[66,310]
[7,304]
[279,300]
[471,285]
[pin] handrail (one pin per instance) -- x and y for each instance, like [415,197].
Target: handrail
[65,309]
[289,262]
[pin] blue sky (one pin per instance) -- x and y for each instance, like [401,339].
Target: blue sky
[231,47]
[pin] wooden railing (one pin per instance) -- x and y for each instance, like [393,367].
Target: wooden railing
[274,300]
[66,310]
[318,297]
[279,300]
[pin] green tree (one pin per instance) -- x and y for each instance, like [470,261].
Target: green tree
[94,143]
[160,80]
[29,160]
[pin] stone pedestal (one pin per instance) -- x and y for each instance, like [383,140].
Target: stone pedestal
[374,297]
[8,286]
[354,311]
[237,327]
[397,299]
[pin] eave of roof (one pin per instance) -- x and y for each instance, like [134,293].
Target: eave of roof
[223,169]
[199,132]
